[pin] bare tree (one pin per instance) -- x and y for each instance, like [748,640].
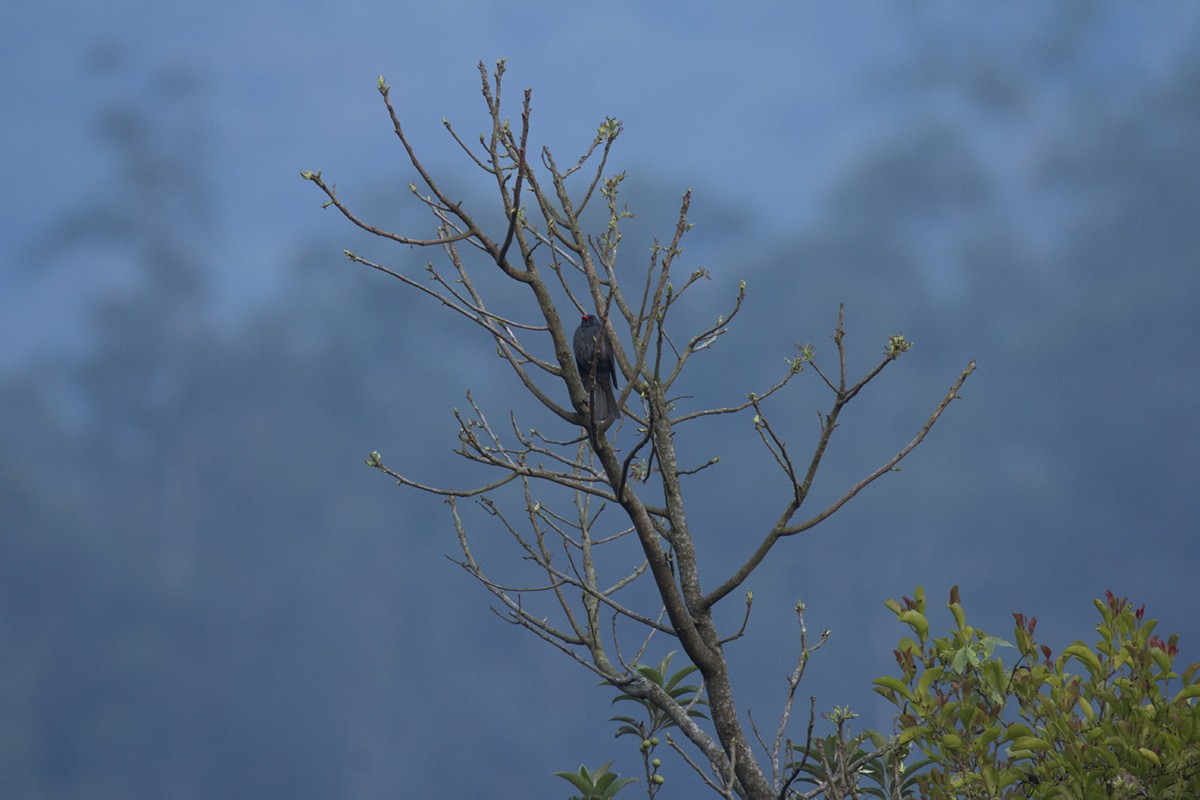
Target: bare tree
[544,245]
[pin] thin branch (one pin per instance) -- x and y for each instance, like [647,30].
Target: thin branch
[477,314]
[628,462]
[853,767]
[443,492]
[465,149]
[587,585]
[515,213]
[725,789]
[793,682]
[781,527]
[950,397]
[472,230]
[329,191]
[797,769]
[710,463]
[705,338]
[741,631]
[750,401]
[776,446]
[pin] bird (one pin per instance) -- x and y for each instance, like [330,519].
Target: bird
[593,356]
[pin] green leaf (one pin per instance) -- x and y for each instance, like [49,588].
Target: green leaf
[997,677]
[932,674]
[909,734]
[1084,654]
[896,685]
[581,781]
[989,735]
[990,643]
[678,676]
[1016,731]
[960,618]
[600,783]
[1030,743]
[1188,693]
[916,620]
[650,674]
[962,657]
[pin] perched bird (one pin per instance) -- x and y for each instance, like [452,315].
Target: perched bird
[593,356]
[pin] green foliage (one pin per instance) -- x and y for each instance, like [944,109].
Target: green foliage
[656,720]
[597,784]
[1118,728]
[842,764]
[896,345]
[687,695]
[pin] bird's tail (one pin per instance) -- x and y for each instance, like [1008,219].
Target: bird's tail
[604,405]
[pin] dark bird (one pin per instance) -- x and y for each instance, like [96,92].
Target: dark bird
[593,356]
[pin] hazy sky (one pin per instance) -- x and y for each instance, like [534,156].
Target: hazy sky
[762,104]
[765,109]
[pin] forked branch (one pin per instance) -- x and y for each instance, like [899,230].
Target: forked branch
[590,564]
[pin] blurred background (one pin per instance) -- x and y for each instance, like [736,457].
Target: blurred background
[203,591]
